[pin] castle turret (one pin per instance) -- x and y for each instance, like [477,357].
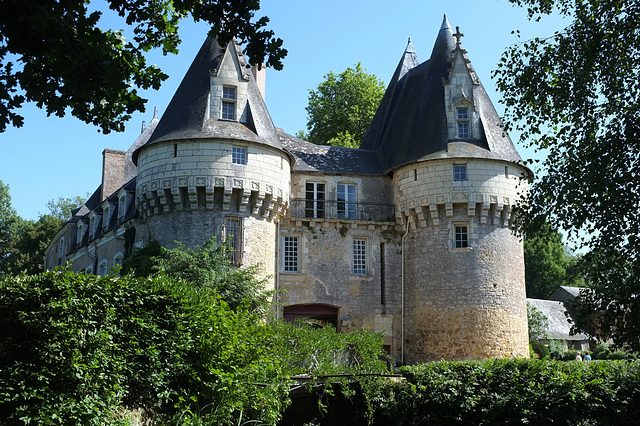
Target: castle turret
[456,176]
[214,165]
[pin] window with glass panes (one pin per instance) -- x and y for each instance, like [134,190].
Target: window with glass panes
[239,155]
[233,238]
[461,236]
[359,256]
[314,200]
[229,103]
[462,116]
[346,198]
[459,172]
[290,254]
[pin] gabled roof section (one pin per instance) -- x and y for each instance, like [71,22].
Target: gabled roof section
[559,326]
[325,159]
[188,115]
[411,123]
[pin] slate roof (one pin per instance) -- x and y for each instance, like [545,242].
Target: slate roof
[559,326]
[312,158]
[187,116]
[411,123]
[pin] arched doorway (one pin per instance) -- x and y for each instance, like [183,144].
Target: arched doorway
[320,315]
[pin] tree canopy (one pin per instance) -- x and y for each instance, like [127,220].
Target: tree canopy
[341,109]
[57,55]
[548,264]
[576,94]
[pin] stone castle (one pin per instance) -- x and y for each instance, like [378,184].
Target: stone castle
[409,234]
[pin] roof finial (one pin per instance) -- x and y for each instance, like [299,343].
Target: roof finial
[155,112]
[409,40]
[458,35]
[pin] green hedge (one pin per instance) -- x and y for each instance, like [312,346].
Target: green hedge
[512,392]
[81,349]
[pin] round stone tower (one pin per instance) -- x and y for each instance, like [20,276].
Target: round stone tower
[214,166]
[456,176]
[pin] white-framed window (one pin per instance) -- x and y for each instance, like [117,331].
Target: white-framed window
[92,225]
[239,155]
[290,253]
[122,206]
[459,172]
[233,238]
[359,256]
[462,120]
[89,270]
[228,103]
[346,198]
[460,235]
[314,199]
[102,268]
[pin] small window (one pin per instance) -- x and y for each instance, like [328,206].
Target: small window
[461,236]
[228,103]
[122,206]
[233,238]
[80,232]
[239,155]
[459,172]
[290,254]
[346,201]
[462,117]
[102,269]
[92,226]
[105,218]
[359,256]
[117,260]
[314,200]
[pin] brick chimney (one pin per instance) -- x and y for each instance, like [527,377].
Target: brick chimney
[112,171]
[260,76]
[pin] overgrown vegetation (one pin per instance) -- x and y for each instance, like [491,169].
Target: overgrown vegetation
[82,349]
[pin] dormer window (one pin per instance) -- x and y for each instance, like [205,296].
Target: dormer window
[462,118]
[92,225]
[229,103]
[80,232]
[122,206]
[105,217]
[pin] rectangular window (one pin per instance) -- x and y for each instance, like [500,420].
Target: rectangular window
[290,255]
[359,256]
[346,201]
[233,239]
[239,155]
[462,117]
[463,113]
[314,200]
[461,236]
[228,103]
[459,172]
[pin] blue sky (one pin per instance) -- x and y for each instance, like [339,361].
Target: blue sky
[54,157]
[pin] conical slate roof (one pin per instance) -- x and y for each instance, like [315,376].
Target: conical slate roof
[187,116]
[411,122]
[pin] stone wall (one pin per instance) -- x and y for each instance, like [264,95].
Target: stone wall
[469,302]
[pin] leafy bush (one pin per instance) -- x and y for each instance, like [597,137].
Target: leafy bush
[206,265]
[512,392]
[540,349]
[78,349]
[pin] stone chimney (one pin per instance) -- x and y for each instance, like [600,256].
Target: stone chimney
[259,76]
[112,171]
